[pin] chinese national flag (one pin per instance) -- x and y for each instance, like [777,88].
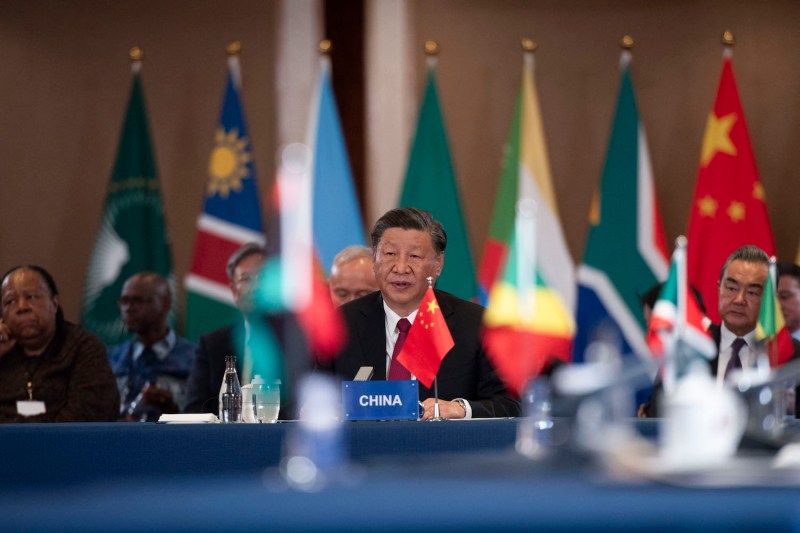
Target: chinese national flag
[428,341]
[728,209]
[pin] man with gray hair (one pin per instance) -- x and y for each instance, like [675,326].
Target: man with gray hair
[408,246]
[351,274]
[741,287]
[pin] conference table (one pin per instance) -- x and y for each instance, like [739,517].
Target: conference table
[400,476]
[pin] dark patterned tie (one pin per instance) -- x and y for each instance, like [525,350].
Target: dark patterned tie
[735,361]
[397,370]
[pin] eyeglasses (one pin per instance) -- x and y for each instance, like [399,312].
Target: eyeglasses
[247,279]
[125,301]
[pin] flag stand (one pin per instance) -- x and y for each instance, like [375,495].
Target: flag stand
[437,417]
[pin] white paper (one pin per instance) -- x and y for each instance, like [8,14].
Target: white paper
[30,408]
[188,418]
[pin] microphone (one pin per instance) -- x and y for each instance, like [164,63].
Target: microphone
[364,374]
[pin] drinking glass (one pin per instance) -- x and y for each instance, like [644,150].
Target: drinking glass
[267,398]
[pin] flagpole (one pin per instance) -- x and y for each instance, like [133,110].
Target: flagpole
[529,46]
[669,378]
[437,417]
[728,41]
[432,53]
[233,48]
[772,344]
[626,43]
[525,242]
[136,55]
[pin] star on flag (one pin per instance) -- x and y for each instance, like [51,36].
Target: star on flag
[718,137]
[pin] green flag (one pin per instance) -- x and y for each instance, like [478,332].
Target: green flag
[430,184]
[132,234]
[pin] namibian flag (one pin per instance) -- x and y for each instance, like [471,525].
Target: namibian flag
[231,215]
[526,322]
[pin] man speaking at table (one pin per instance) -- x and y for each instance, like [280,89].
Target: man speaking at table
[409,247]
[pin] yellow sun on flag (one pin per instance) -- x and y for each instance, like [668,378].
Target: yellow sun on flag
[227,166]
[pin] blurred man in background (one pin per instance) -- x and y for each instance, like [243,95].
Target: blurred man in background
[789,296]
[243,270]
[151,368]
[351,274]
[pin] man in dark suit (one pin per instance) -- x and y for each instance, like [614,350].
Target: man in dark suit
[205,379]
[789,296]
[741,285]
[409,247]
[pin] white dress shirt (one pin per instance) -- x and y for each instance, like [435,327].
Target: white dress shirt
[391,320]
[392,332]
[747,354]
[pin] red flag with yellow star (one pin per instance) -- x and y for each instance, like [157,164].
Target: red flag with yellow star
[729,209]
[428,341]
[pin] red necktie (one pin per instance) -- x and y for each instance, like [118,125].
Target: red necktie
[397,370]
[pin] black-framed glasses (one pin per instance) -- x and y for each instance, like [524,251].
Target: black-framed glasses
[125,301]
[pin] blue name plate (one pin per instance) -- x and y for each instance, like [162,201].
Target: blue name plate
[380,400]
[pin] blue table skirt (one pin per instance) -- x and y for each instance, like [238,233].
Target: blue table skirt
[406,476]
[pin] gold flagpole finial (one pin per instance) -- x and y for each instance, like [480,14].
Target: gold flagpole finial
[431,48]
[233,48]
[325,46]
[136,53]
[626,43]
[528,45]
[728,39]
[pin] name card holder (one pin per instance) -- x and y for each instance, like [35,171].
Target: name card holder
[380,400]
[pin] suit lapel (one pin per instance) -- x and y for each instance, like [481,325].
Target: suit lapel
[716,332]
[444,305]
[374,329]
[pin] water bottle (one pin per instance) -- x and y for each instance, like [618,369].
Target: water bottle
[534,430]
[230,393]
[315,449]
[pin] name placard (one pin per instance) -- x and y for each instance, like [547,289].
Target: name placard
[380,400]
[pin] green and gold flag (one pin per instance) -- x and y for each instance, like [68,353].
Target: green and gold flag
[132,236]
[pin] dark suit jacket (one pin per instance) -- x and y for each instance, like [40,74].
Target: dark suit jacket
[466,372]
[209,364]
[652,407]
[206,376]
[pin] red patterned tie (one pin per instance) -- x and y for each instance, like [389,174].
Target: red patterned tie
[397,370]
